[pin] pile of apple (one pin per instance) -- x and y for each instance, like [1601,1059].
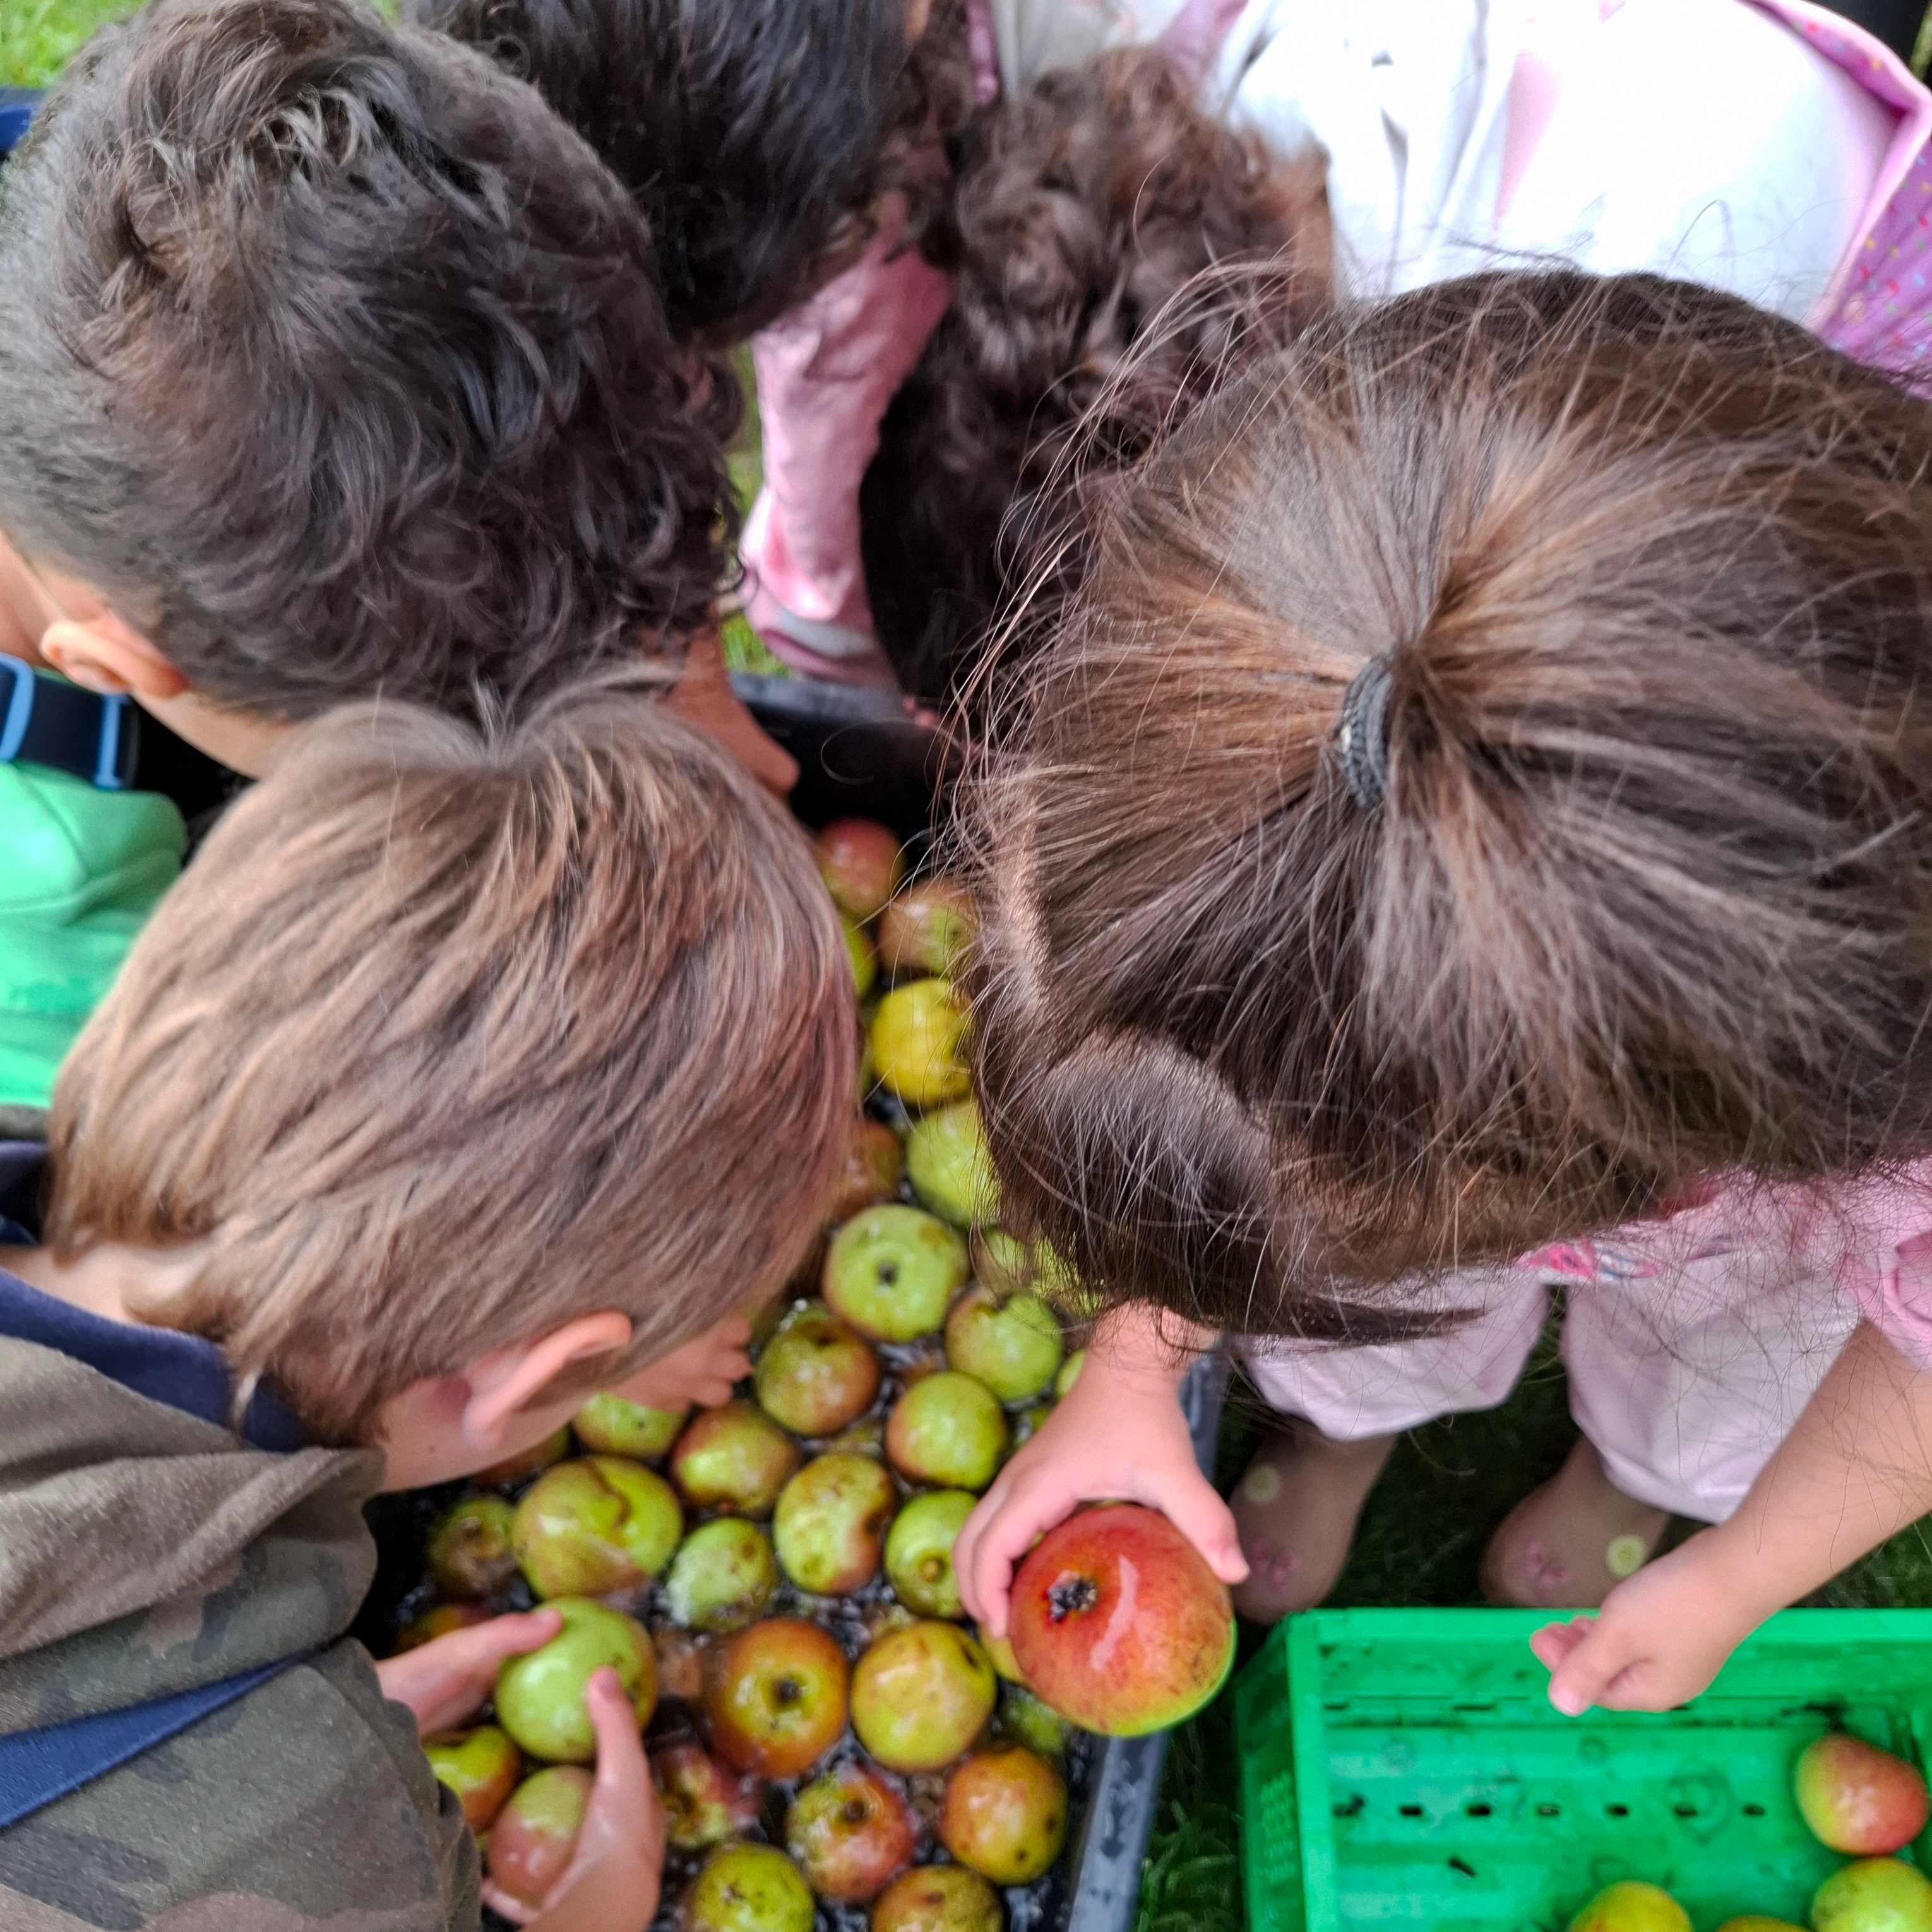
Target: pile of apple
[1855,1797]
[772,1580]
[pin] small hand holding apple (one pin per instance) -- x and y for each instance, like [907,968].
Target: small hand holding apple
[702,1372]
[616,1871]
[447,1680]
[1660,1638]
[1113,1439]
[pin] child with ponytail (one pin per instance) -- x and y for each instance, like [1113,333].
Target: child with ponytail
[1471,836]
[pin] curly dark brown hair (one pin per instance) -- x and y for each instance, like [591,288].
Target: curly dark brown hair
[1117,252]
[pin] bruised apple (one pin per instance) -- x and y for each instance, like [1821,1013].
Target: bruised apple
[540,1694]
[1873,1895]
[938,1898]
[439,1622]
[916,1037]
[594,1526]
[722,1577]
[704,1804]
[1004,1814]
[892,1272]
[1857,1798]
[607,1425]
[470,1554]
[1118,1623]
[1013,1345]
[926,928]
[747,1888]
[919,1552]
[777,1698]
[870,1171]
[1629,1907]
[920,1696]
[860,863]
[680,1663]
[851,1833]
[816,1374]
[830,1521]
[734,1458]
[535,1832]
[481,1766]
[947,1430]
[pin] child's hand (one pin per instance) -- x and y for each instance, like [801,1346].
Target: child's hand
[1659,1639]
[1111,1438]
[615,1874]
[447,1680]
[701,1372]
[703,696]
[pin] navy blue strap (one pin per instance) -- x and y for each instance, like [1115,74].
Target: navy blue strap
[46,720]
[38,1767]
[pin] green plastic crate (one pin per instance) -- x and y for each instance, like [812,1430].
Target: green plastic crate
[1405,1767]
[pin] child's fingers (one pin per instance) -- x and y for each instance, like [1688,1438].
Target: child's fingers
[1554,1642]
[1206,1522]
[623,1785]
[489,1644]
[1595,1662]
[1027,1510]
[505,1907]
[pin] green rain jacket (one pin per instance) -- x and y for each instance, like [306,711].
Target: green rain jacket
[80,871]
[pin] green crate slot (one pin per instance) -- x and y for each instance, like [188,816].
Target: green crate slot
[1405,1768]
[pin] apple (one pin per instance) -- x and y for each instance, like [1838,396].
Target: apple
[861,864]
[1004,1814]
[870,1171]
[950,1170]
[1013,1346]
[1629,1907]
[598,1524]
[919,1552]
[535,1832]
[938,1898]
[850,1833]
[607,1425]
[1027,1719]
[1026,1424]
[831,1517]
[865,961]
[722,1577]
[1118,1623]
[439,1622]
[680,1663]
[1069,1374]
[1857,1798]
[735,1459]
[1755,1922]
[816,1374]
[703,1803]
[948,1430]
[920,1696]
[1873,1895]
[927,928]
[540,1694]
[481,1766]
[777,1697]
[1000,1650]
[743,1887]
[916,1035]
[892,1272]
[469,1554]
[865,1437]
[1008,1265]
[527,1463]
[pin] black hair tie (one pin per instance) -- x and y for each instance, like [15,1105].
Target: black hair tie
[1361,733]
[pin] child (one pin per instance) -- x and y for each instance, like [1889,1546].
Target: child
[331,363]
[1472,832]
[420,1110]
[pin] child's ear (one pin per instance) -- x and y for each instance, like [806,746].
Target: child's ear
[503,1386]
[104,654]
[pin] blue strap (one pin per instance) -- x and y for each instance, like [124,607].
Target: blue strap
[46,720]
[38,1767]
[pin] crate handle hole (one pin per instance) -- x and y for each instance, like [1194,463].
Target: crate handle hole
[1549,1810]
[1351,1806]
[1616,1810]
[1476,1810]
[1463,1866]
[1410,1811]
[1754,1810]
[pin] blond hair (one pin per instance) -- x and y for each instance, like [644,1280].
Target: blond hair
[449,1036]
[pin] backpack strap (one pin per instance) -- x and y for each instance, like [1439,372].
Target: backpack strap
[49,721]
[38,1767]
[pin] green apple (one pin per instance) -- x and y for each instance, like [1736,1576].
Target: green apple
[938,1898]
[540,1695]
[917,1036]
[1872,1895]
[948,1430]
[1069,1374]
[927,928]
[950,1170]
[745,1887]
[919,1552]
[816,1374]
[1004,1814]
[1008,1265]
[1013,1345]
[893,1271]
[735,1458]
[607,1425]
[851,1833]
[481,1766]
[535,1832]
[595,1525]
[830,1518]
[470,1554]
[722,1577]
[865,961]
[1033,1722]
[1026,1424]
[920,1696]
[1001,1651]
[776,1700]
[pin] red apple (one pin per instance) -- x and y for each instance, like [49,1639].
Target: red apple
[535,1832]
[927,928]
[704,1804]
[816,1374]
[851,1833]
[1117,1622]
[871,1170]
[921,1695]
[777,1699]
[1004,1814]
[1857,1798]
[938,1898]
[481,1766]
[734,1458]
[860,863]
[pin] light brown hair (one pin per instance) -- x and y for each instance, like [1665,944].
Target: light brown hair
[447,1036]
[1649,895]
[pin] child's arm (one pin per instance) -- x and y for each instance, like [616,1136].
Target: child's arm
[1119,1436]
[1856,1469]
